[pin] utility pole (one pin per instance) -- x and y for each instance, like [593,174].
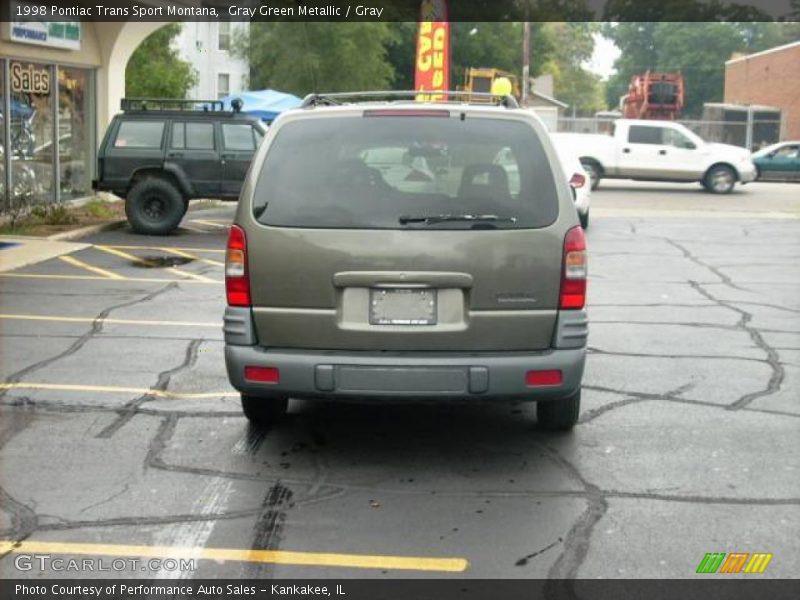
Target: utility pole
[526,61]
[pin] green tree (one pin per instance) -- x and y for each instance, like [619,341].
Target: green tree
[698,50]
[573,46]
[305,57]
[155,69]
[497,45]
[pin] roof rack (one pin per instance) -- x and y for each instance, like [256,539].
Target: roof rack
[170,104]
[312,100]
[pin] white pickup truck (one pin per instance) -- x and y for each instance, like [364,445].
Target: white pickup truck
[658,151]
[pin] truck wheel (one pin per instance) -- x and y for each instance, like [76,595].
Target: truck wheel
[154,206]
[720,180]
[561,414]
[594,171]
[264,410]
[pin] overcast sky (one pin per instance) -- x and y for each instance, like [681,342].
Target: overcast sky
[605,53]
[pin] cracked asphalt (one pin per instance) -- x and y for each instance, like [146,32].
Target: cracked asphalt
[118,425]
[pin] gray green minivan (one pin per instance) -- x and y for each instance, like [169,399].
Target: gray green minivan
[380,252]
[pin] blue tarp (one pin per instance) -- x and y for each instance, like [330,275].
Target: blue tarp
[265,104]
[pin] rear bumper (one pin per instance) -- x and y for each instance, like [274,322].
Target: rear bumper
[325,374]
[747,173]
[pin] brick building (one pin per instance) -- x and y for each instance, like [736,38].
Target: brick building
[770,78]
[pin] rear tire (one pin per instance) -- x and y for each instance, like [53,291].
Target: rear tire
[154,206]
[594,171]
[264,410]
[720,180]
[559,415]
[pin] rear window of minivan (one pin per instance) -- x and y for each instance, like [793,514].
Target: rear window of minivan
[392,172]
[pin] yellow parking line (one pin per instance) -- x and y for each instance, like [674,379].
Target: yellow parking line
[80,264]
[97,278]
[149,263]
[210,223]
[178,252]
[282,557]
[211,250]
[110,321]
[68,387]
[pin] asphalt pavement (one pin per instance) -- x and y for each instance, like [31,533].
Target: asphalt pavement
[121,436]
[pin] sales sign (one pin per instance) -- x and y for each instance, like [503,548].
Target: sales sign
[432,65]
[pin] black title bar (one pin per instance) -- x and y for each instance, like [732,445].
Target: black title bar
[398,10]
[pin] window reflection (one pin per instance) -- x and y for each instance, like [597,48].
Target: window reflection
[74,139]
[31,128]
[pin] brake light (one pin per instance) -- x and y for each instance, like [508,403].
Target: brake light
[414,112]
[237,281]
[574,270]
[577,180]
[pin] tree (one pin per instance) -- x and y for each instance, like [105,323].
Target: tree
[573,46]
[155,68]
[698,50]
[305,57]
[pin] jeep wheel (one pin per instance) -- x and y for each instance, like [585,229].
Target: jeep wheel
[264,410]
[154,206]
[560,414]
[720,180]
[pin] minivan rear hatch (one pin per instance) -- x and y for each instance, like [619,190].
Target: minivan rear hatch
[405,230]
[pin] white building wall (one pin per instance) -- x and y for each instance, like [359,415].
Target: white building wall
[198,44]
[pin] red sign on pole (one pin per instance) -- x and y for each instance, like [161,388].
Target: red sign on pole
[432,67]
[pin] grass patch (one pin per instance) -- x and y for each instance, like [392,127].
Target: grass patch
[48,219]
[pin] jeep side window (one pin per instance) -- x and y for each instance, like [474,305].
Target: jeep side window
[238,137]
[193,136]
[139,134]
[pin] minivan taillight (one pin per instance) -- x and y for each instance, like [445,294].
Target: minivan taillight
[574,270]
[237,281]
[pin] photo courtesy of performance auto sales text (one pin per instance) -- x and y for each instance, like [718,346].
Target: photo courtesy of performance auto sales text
[399,300]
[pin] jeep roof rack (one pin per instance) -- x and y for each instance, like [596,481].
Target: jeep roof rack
[172,104]
[312,100]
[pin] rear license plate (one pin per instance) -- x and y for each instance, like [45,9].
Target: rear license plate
[402,306]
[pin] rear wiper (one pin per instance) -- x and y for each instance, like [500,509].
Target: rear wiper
[447,218]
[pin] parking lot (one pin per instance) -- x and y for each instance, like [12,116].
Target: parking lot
[121,436]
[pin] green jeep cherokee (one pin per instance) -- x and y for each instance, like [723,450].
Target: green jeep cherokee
[159,154]
[378,252]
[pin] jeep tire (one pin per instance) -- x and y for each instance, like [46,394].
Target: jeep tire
[154,206]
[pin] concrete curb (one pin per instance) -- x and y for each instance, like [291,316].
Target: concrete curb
[84,231]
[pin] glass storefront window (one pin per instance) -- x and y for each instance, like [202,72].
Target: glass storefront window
[45,165]
[31,125]
[74,132]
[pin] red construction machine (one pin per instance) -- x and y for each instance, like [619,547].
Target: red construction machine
[653,96]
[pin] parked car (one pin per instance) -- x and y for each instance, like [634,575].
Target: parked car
[342,281]
[158,159]
[659,151]
[778,162]
[576,175]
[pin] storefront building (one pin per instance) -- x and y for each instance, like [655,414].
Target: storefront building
[60,84]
